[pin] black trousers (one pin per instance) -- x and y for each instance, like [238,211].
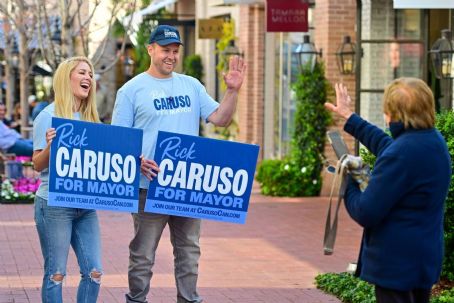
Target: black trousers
[386,295]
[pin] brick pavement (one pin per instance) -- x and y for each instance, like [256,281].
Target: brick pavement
[274,257]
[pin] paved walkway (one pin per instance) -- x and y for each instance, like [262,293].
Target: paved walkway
[274,257]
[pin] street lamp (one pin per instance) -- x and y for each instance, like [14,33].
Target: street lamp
[232,50]
[345,56]
[442,53]
[56,40]
[307,54]
[56,34]
[2,80]
[128,67]
[15,54]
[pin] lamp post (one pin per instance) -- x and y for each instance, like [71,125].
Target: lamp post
[232,50]
[12,81]
[15,54]
[345,56]
[2,63]
[306,54]
[442,53]
[56,40]
[128,67]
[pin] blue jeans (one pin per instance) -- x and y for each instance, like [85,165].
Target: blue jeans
[58,228]
[184,236]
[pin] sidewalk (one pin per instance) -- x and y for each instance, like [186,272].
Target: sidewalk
[273,258]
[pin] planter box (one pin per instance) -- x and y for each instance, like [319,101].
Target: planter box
[13,169]
[17,201]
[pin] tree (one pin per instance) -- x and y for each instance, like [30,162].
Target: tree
[52,30]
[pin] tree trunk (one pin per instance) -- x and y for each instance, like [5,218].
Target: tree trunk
[10,90]
[23,72]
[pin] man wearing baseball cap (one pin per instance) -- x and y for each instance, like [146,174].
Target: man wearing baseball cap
[165,35]
[161,99]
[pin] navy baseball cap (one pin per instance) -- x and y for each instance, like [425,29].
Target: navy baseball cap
[165,35]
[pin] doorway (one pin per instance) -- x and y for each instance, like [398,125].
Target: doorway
[440,19]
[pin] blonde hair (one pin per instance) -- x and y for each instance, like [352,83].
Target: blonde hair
[410,101]
[64,96]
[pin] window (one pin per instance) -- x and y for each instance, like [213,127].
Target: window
[286,72]
[393,46]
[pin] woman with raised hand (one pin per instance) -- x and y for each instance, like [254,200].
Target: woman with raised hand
[61,227]
[402,208]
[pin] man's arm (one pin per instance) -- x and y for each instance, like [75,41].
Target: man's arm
[224,114]
[233,79]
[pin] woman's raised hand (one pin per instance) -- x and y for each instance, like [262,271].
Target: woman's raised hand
[343,101]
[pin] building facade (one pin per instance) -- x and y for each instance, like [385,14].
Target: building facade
[390,43]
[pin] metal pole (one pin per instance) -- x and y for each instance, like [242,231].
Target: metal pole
[359,54]
[1,82]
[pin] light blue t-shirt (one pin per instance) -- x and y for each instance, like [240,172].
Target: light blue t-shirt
[174,104]
[40,125]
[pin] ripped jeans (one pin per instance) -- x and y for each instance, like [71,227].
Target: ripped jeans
[58,228]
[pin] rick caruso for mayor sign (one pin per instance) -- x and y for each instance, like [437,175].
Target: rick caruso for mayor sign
[94,166]
[202,178]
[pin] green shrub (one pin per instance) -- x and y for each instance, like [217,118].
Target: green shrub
[299,174]
[193,66]
[350,289]
[346,287]
[367,157]
[446,296]
[285,178]
[445,124]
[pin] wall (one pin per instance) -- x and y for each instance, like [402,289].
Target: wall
[251,99]
[333,20]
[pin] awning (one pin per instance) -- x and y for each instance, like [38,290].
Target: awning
[233,2]
[423,4]
[39,71]
[137,17]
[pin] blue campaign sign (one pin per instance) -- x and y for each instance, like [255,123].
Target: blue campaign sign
[94,166]
[202,178]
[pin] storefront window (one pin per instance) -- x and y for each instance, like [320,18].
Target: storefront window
[286,70]
[392,42]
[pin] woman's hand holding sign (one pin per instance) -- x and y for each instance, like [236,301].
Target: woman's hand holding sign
[149,168]
[40,158]
[50,135]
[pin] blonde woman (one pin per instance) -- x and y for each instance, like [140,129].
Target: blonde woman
[60,227]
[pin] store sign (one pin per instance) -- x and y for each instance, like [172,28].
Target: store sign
[286,16]
[421,4]
[210,28]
